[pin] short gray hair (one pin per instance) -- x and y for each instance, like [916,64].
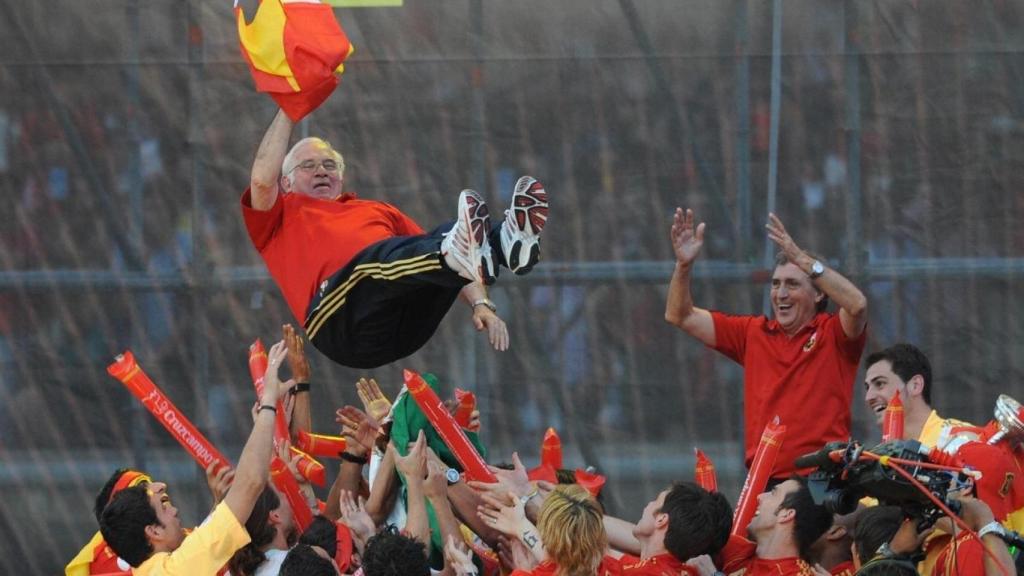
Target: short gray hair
[289,159]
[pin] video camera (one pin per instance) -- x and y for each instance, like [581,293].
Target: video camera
[843,477]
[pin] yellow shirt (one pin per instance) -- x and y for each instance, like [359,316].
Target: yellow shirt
[931,432]
[205,551]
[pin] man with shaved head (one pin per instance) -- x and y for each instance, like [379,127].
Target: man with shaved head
[367,283]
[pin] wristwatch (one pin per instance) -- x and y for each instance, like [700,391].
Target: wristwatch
[993,527]
[526,499]
[452,475]
[485,302]
[817,269]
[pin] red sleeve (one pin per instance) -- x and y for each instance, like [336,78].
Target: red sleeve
[731,334]
[404,226]
[851,348]
[737,553]
[261,224]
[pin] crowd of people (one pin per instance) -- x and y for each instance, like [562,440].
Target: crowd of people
[413,494]
[404,501]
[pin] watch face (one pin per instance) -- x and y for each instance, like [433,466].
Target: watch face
[817,269]
[453,475]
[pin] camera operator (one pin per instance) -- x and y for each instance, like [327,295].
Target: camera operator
[886,542]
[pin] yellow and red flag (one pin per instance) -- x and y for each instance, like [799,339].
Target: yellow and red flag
[294,50]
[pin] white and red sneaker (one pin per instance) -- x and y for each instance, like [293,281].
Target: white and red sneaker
[524,221]
[465,247]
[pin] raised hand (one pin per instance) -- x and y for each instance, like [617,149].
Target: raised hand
[273,388]
[515,480]
[296,354]
[703,565]
[414,464]
[358,428]
[354,515]
[218,480]
[777,233]
[686,240]
[502,516]
[514,555]
[456,557]
[374,402]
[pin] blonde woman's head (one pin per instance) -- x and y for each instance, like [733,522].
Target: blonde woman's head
[571,527]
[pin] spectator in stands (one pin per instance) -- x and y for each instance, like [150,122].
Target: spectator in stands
[142,526]
[803,352]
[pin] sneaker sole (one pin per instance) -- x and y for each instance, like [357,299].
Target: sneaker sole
[480,228]
[530,213]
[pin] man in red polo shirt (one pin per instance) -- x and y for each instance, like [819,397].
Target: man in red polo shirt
[784,528]
[685,521]
[801,364]
[369,286]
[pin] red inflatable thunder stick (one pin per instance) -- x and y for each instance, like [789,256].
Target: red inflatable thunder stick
[760,469]
[551,449]
[464,411]
[472,464]
[892,422]
[131,375]
[310,468]
[285,483]
[704,474]
[258,369]
[319,444]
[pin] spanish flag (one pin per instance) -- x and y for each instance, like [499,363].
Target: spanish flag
[294,50]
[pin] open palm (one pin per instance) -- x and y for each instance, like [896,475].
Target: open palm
[686,240]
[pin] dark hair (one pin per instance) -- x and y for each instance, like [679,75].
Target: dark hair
[261,532]
[389,553]
[907,361]
[123,524]
[811,520]
[104,496]
[781,260]
[302,560]
[876,526]
[323,533]
[698,521]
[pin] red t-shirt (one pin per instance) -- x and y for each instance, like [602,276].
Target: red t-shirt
[739,558]
[806,380]
[967,556]
[657,565]
[304,240]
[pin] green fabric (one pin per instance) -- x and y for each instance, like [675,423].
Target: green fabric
[408,421]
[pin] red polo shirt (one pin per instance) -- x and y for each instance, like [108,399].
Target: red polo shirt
[657,565]
[739,558]
[806,380]
[304,240]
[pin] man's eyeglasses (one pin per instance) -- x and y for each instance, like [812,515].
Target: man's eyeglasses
[311,165]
